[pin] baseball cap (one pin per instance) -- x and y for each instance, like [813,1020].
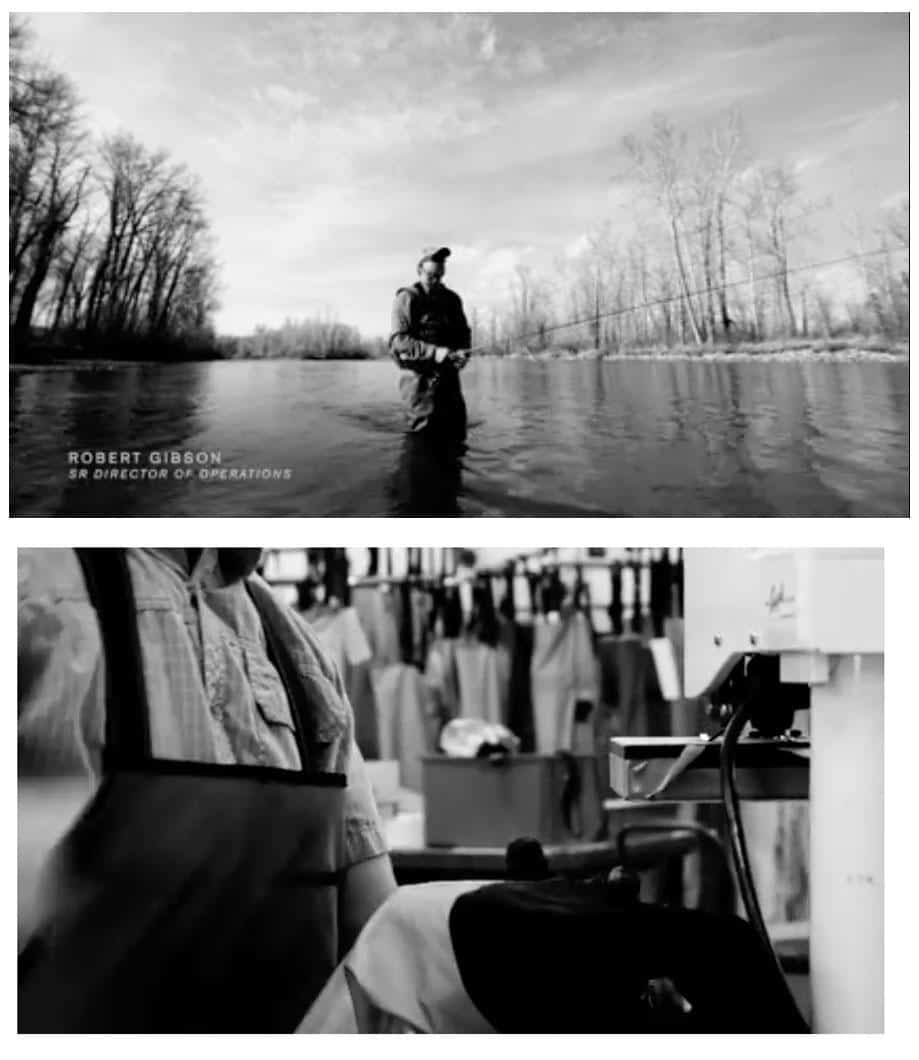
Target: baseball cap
[439,254]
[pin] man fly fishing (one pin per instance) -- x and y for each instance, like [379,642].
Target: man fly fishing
[430,342]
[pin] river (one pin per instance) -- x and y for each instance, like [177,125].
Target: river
[620,438]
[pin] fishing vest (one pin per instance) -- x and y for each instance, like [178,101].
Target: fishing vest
[435,316]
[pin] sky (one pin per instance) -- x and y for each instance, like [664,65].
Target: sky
[332,148]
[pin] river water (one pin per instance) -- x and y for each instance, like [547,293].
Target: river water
[622,438]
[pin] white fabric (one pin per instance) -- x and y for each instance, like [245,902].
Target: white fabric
[401,976]
[404,710]
[479,681]
[341,634]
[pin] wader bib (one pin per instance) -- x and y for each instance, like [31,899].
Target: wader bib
[188,897]
[431,393]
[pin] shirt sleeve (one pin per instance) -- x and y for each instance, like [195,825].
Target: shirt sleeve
[407,349]
[60,666]
[364,836]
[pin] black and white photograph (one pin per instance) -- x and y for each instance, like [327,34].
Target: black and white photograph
[459,264]
[451,790]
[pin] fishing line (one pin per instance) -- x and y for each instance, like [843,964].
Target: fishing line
[609,314]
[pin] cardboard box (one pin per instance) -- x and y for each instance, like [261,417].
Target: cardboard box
[474,802]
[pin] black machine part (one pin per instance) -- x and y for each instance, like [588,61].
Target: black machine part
[769,703]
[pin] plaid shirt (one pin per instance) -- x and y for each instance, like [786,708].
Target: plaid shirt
[213,692]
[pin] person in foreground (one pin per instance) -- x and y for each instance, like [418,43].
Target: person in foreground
[430,342]
[199,844]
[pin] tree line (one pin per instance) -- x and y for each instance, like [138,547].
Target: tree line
[713,258]
[315,339]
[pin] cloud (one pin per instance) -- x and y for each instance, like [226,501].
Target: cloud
[809,161]
[489,44]
[500,262]
[288,99]
[333,146]
[531,61]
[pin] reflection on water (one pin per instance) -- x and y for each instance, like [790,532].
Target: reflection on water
[427,480]
[637,438]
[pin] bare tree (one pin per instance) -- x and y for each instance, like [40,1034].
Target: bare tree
[660,162]
[154,252]
[778,189]
[726,150]
[750,205]
[47,174]
[891,274]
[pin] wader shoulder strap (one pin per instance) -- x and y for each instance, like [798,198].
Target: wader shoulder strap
[127,723]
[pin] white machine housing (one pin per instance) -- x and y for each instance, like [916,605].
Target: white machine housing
[822,612]
[816,601]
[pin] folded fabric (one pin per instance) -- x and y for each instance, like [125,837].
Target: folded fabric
[401,975]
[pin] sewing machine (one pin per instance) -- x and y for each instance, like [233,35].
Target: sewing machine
[809,624]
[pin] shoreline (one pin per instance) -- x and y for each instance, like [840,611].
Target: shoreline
[716,356]
[849,348]
[102,364]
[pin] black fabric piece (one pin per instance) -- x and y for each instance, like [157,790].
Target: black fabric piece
[533,583]
[660,594]
[438,603]
[615,607]
[406,626]
[485,616]
[337,585]
[551,592]
[187,897]
[520,718]
[421,634]
[609,672]
[561,957]
[676,586]
[507,604]
[306,595]
[453,613]
[637,616]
